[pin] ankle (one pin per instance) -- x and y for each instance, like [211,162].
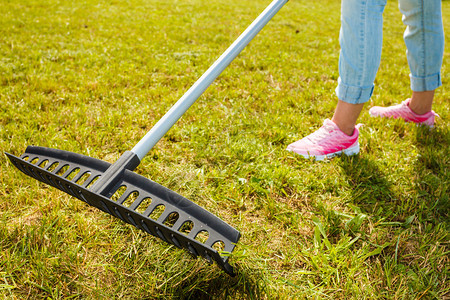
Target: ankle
[345,127]
[346,115]
[419,110]
[421,102]
[347,130]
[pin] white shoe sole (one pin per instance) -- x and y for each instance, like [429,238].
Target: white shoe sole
[349,152]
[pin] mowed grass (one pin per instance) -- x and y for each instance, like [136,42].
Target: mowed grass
[93,76]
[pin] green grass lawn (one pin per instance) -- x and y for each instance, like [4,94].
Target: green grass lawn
[92,77]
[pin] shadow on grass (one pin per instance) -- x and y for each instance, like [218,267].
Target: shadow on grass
[433,172]
[370,188]
[418,220]
[245,285]
[375,194]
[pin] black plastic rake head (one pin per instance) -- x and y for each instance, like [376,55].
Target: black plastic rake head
[95,181]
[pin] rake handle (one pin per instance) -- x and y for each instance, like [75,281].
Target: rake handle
[183,104]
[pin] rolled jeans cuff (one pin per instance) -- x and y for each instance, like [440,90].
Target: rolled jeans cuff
[428,83]
[353,94]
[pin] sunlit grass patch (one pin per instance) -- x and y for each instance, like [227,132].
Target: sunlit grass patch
[93,77]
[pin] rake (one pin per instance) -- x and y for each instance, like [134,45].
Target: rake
[95,182]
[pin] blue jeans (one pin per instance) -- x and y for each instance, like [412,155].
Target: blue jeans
[361,37]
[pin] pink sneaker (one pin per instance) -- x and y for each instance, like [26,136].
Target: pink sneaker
[403,111]
[327,141]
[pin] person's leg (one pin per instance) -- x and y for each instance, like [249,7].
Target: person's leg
[424,39]
[360,38]
[361,41]
[346,115]
[421,102]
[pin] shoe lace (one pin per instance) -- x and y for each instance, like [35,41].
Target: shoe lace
[396,108]
[320,134]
